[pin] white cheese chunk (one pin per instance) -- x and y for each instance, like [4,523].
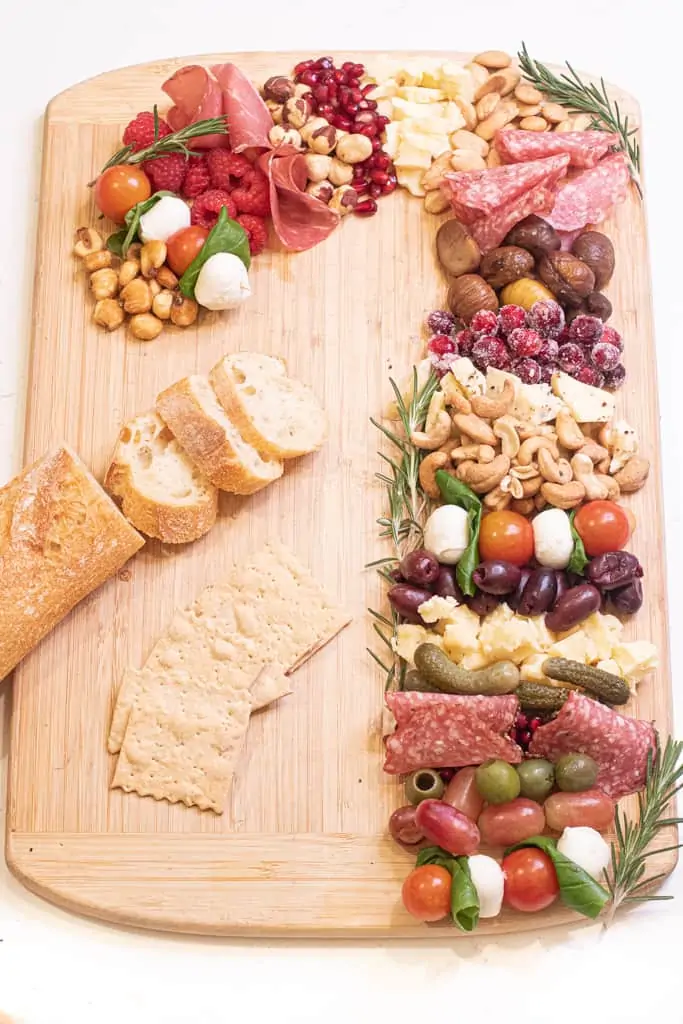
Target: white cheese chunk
[488,880]
[166,217]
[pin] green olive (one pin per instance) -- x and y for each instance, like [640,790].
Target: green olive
[425,784]
[575,772]
[497,781]
[536,777]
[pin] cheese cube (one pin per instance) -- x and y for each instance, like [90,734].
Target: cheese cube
[437,608]
[586,403]
[419,94]
[409,637]
[577,647]
[468,377]
[432,144]
[595,628]
[635,659]
[411,156]
[392,138]
[411,178]
[505,636]
[456,80]
[473,662]
[405,108]
[609,665]
[531,669]
[461,635]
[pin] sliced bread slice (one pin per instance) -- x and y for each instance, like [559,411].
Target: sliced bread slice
[194,415]
[279,416]
[159,489]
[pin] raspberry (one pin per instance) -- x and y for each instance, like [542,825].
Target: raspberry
[548,351]
[197,179]
[140,132]
[440,321]
[528,371]
[207,206]
[464,340]
[589,375]
[490,351]
[546,317]
[612,337]
[615,378]
[585,330]
[253,193]
[441,345]
[604,356]
[167,173]
[224,164]
[511,317]
[256,230]
[525,342]
[547,371]
[484,322]
[571,357]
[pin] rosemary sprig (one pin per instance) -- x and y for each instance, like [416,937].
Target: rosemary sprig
[630,849]
[588,98]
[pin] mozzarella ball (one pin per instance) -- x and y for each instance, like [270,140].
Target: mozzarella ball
[166,217]
[553,541]
[587,848]
[223,282]
[447,533]
[488,879]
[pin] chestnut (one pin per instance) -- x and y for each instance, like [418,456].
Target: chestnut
[506,264]
[468,294]
[536,235]
[597,252]
[457,251]
[568,278]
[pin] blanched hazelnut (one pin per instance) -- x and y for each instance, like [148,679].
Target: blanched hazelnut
[323,140]
[104,283]
[97,260]
[166,277]
[152,256]
[353,149]
[318,166]
[108,314]
[297,110]
[183,311]
[302,90]
[161,304]
[339,172]
[145,327]
[344,200]
[275,111]
[281,135]
[87,241]
[278,88]
[323,190]
[136,296]
[312,125]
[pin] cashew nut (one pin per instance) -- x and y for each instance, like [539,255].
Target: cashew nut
[504,428]
[595,452]
[584,472]
[532,445]
[634,474]
[569,433]
[465,452]
[486,453]
[454,396]
[524,472]
[497,500]
[563,495]
[483,477]
[531,486]
[539,502]
[515,487]
[527,430]
[427,473]
[613,488]
[555,471]
[491,407]
[524,506]
[437,425]
[476,428]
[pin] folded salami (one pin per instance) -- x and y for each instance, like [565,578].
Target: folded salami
[584,149]
[489,232]
[589,197]
[476,194]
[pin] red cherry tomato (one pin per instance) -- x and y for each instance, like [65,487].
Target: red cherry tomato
[530,880]
[183,246]
[602,526]
[119,188]
[427,893]
[507,536]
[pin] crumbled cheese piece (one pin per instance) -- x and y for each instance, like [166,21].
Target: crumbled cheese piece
[635,659]
[461,635]
[409,637]
[577,647]
[437,608]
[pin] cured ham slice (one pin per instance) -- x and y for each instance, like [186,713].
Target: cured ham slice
[249,120]
[584,149]
[197,97]
[300,220]
[476,194]
[589,197]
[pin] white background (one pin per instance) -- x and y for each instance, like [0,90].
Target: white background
[56,968]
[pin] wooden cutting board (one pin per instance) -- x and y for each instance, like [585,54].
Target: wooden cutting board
[302,847]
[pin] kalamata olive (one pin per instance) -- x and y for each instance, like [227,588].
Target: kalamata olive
[497,577]
[627,600]
[483,604]
[539,592]
[403,828]
[462,793]
[614,569]
[450,829]
[575,773]
[576,605]
[425,784]
[497,781]
[591,808]
[561,586]
[419,567]
[505,824]
[445,584]
[514,599]
[406,599]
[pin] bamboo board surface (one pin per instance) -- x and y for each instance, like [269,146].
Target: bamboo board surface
[302,847]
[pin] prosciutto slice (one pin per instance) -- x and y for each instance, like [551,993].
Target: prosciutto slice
[584,149]
[476,194]
[300,220]
[249,120]
[197,96]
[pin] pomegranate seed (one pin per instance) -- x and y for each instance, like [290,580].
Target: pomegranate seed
[521,721]
[366,208]
[354,82]
[364,117]
[534,724]
[326,111]
[364,104]
[356,96]
[381,161]
[305,65]
[382,121]
[375,191]
[360,185]
[368,88]
[369,130]
[390,185]
[350,108]
[358,172]
[308,77]
[359,70]
[332,90]
[372,104]
[348,66]
[339,77]
[321,94]
[325,63]
[342,123]
[376,145]
[380,177]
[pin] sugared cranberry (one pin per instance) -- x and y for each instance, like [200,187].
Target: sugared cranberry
[440,321]
[589,375]
[612,337]
[464,340]
[571,357]
[528,370]
[525,342]
[585,330]
[484,322]
[490,351]
[604,356]
[441,344]
[547,371]
[546,317]
[548,351]
[615,378]
[366,208]
[510,318]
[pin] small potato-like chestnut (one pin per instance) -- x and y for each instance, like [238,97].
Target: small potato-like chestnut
[468,294]
[597,252]
[457,251]
[568,278]
[534,234]
[505,264]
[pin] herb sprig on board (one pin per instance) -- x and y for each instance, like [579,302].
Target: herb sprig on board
[176,142]
[587,98]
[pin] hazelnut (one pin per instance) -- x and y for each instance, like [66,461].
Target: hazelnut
[136,296]
[152,256]
[183,311]
[278,89]
[104,283]
[108,314]
[302,90]
[297,110]
[161,304]
[312,125]
[344,200]
[145,327]
[318,166]
[468,294]
[323,140]
[339,172]
[97,260]
[128,271]
[275,111]
[568,278]
[323,190]
[166,277]
[87,240]
[353,149]
[282,135]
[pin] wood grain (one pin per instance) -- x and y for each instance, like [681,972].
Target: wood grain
[302,846]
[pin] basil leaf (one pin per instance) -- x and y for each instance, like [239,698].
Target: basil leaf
[464,897]
[226,236]
[121,241]
[455,492]
[578,890]
[579,560]
[433,855]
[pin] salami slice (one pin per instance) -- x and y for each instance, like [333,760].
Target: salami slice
[489,232]
[618,744]
[475,194]
[196,97]
[248,118]
[498,713]
[300,220]
[589,197]
[584,149]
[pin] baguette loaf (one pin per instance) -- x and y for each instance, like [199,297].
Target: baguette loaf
[279,416]
[159,489]
[194,415]
[61,536]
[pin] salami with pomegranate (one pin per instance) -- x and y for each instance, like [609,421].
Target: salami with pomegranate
[618,744]
[589,197]
[584,149]
[196,97]
[477,194]
[489,232]
[300,220]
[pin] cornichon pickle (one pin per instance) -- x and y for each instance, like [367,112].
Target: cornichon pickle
[609,688]
[414,681]
[444,675]
[539,697]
